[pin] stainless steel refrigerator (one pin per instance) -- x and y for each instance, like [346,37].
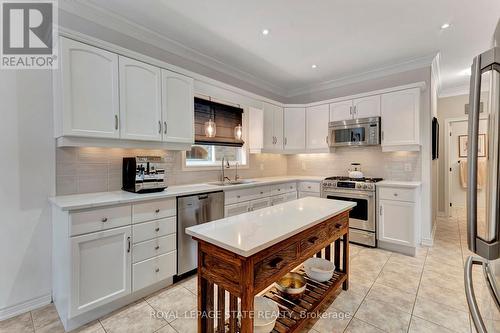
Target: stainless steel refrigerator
[483,217]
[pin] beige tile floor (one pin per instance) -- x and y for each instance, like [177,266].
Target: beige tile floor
[389,292]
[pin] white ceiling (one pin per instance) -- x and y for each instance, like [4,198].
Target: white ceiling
[343,37]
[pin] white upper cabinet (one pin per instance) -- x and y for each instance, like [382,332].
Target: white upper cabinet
[317,118]
[366,107]
[341,110]
[400,120]
[88,87]
[273,127]
[178,107]
[140,100]
[256,129]
[294,129]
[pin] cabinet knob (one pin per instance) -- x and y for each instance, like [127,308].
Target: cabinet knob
[279,190]
[104,219]
[157,270]
[157,247]
[157,229]
[395,194]
[157,211]
[238,196]
[261,192]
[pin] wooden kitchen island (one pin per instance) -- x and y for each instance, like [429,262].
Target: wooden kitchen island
[242,256]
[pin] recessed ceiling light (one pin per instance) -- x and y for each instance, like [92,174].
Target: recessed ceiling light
[445,26]
[265,32]
[314,66]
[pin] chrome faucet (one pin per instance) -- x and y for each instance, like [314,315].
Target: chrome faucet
[224,166]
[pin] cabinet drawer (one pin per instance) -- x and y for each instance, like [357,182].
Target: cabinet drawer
[247,194]
[152,210]
[154,247]
[86,221]
[157,228]
[309,187]
[265,269]
[283,188]
[398,194]
[148,272]
[308,194]
[319,236]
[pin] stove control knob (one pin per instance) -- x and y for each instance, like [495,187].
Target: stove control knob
[365,186]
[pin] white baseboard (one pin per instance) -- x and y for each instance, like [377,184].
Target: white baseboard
[21,308]
[430,241]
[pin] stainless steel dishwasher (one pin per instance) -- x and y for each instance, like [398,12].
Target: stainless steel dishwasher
[193,210]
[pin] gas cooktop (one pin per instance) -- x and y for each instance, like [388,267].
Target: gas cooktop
[362,184]
[364,180]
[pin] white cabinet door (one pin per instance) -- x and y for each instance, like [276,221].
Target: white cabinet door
[341,111]
[255,129]
[269,138]
[259,204]
[294,129]
[317,118]
[89,90]
[396,222]
[291,196]
[140,100]
[367,107]
[400,118]
[101,268]
[278,128]
[178,107]
[236,209]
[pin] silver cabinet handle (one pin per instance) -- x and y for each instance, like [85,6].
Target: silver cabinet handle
[128,244]
[355,111]
[157,229]
[164,127]
[380,210]
[157,247]
[157,270]
[157,211]
[469,290]
[159,127]
[104,219]
[472,155]
[285,141]
[350,110]
[116,121]
[395,194]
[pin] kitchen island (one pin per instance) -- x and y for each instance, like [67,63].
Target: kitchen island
[245,254]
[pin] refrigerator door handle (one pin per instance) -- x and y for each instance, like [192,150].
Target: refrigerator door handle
[469,290]
[475,91]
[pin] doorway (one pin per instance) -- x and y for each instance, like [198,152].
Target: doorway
[457,130]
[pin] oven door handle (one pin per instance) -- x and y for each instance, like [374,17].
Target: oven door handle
[348,194]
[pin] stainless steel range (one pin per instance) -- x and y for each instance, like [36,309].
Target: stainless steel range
[362,220]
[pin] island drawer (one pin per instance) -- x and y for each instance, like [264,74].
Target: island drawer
[309,187]
[153,247]
[156,269]
[157,228]
[86,221]
[315,239]
[396,193]
[153,210]
[264,270]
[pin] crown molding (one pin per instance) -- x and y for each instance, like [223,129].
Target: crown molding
[411,64]
[454,91]
[113,21]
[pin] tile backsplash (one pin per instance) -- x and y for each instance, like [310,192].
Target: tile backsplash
[91,169]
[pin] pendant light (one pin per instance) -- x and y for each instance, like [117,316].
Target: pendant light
[238,132]
[210,126]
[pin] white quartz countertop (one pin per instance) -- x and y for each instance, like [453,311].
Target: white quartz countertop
[90,200]
[249,233]
[397,183]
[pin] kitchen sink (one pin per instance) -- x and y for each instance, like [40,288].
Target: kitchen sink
[232,182]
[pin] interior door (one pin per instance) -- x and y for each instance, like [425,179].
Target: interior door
[140,100]
[341,111]
[295,120]
[89,90]
[317,118]
[101,270]
[367,107]
[178,107]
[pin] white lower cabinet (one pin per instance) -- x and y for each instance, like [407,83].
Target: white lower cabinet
[304,194]
[100,268]
[398,219]
[259,204]
[236,209]
[156,269]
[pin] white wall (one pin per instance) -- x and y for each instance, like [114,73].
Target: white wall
[27,169]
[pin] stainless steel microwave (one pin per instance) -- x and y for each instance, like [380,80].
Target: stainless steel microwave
[354,132]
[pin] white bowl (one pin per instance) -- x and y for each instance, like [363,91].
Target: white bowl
[266,312]
[318,269]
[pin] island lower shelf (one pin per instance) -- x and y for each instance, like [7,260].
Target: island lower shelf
[224,277]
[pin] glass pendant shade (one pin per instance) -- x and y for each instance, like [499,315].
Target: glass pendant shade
[210,128]
[238,132]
